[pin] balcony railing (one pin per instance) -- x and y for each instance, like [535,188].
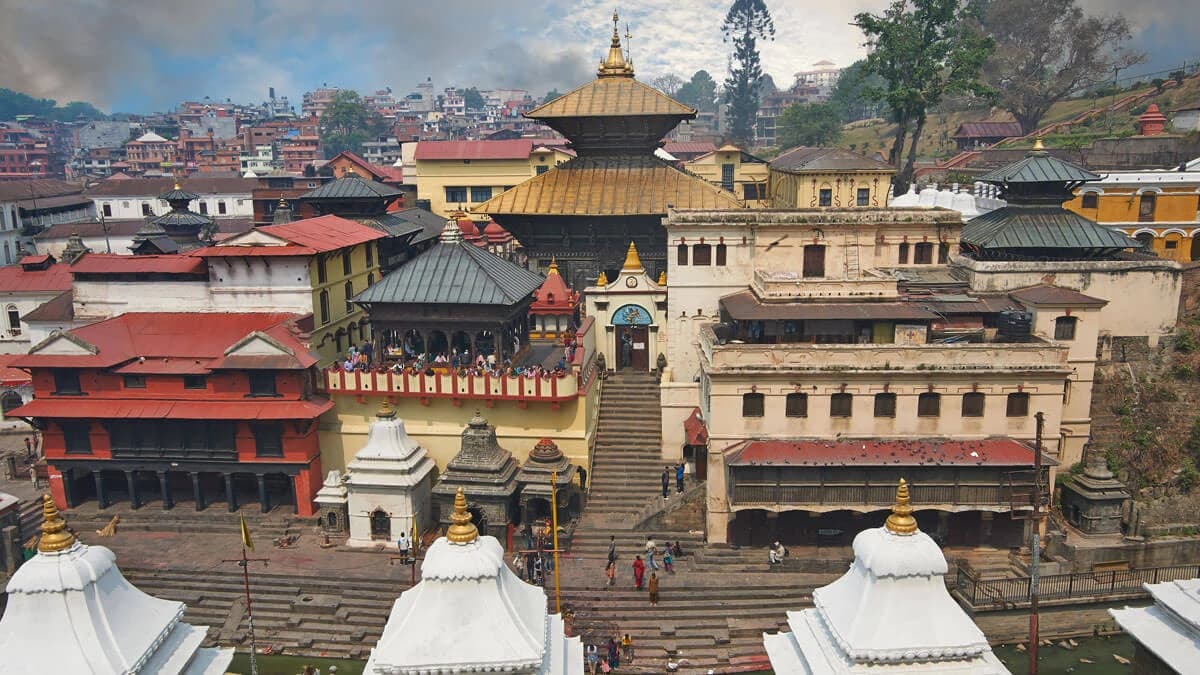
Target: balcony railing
[882,496]
[1004,593]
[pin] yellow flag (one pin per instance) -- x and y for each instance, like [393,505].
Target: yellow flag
[246,535]
[416,539]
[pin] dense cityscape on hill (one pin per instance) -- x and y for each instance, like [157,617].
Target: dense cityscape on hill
[888,365]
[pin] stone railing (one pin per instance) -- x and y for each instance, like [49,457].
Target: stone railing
[953,357]
[779,286]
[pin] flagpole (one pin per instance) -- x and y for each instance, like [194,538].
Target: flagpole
[554,527]
[244,562]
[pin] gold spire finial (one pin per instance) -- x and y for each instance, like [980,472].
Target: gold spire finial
[602,280]
[55,535]
[615,65]
[633,262]
[662,278]
[553,267]
[386,411]
[177,184]
[461,530]
[901,520]
[282,201]
[1038,145]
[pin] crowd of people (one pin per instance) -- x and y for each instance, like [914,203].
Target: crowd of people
[483,362]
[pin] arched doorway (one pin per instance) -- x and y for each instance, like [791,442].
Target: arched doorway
[632,324]
[331,520]
[438,344]
[1195,253]
[381,525]
[1146,239]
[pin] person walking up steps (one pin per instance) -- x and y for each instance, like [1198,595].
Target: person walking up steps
[611,572]
[651,550]
[666,482]
[668,559]
[679,478]
[653,588]
[639,572]
[612,549]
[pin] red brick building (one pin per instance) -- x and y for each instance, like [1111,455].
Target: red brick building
[179,407]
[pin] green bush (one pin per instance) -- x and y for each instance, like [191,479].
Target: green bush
[1185,342]
[1188,475]
[1184,371]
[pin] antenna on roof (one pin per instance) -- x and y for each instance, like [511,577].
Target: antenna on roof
[628,45]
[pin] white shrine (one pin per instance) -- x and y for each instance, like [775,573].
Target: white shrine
[471,614]
[389,484]
[1167,633]
[70,610]
[891,613]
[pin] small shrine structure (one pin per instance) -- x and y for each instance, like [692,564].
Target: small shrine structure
[891,613]
[485,471]
[70,610]
[471,614]
[388,488]
[552,313]
[548,466]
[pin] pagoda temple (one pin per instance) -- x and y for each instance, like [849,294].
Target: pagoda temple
[585,211]
[177,231]
[548,471]
[890,613]
[471,614]
[70,610]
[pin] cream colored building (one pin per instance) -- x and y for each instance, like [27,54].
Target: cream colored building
[630,315]
[458,175]
[828,177]
[735,170]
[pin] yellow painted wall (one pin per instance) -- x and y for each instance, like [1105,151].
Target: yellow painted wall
[323,340]
[439,426]
[1175,216]
[788,190]
[709,166]
[434,176]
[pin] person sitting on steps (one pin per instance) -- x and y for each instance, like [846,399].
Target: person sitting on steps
[776,553]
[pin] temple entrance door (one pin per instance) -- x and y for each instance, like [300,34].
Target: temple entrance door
[381,525]
[633,347]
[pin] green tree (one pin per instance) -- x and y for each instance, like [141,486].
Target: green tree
[700,92]
[1048,49]
[550,96]
[747,22]
[14,103]
[347,123]
[923,50]
[856,94]
[473,99]
[811,124]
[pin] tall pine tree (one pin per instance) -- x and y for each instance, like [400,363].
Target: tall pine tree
[747,22]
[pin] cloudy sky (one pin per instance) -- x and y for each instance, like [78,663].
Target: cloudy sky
[143,55]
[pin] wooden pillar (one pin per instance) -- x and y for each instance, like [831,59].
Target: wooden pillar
[68,483]
[197,493]
[101,497]
[263,498]
[164,484]
[230,495]
[135,501]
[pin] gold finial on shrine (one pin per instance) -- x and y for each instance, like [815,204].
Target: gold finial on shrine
[1038,145]
[553,267]
[282,201]
[386,411]
[461,530]
[662,278]
[633,262]
[615,65]
[602,280]
[177,184]
[901,520]
[55,535]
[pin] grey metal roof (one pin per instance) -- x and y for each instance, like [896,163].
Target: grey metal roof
[825,159]
[182,219]
[431,224]
[178,194]
[1040,227]
[352,187]
[455,273]
[1039,167]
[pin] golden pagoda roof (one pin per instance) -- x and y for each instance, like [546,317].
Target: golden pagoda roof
[612,97]
[610,186]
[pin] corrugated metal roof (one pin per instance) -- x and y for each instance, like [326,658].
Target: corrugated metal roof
[36,188]
[59,308]
[182,219]
[610,186]
[612,97]
[988,130]
[826,159]
[17,279]
[219,251]
[1044,227]
[456,273]
[1047,294]
[324,233]
[873,452]
[743,306]
[138,187]
[431,225]
[58,202]
[1039,167]
[11,377]
[247,409]
[352,187]
[110,263]
[179,194]
[518,148]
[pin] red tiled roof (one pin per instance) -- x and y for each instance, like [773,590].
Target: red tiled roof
[874,452]
[324,233]
[988,130]
[163,337]
[689,147]
[111,263]
[248,409]
[34,259]
[496,234]
[694,430]
[553,296]
[251,251]
[16,279]
[455,150]
[11,377]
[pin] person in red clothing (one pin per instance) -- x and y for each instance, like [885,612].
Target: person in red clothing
[639,572]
